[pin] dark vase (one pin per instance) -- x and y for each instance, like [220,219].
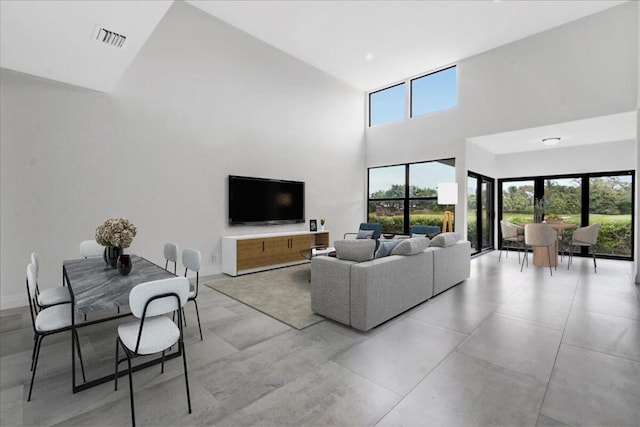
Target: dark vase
[124,264]
[111,255]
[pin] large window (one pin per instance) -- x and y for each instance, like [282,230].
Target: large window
[584,199]
[387,105]
[434,92]
[405,195]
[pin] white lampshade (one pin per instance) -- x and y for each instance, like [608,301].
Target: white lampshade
[448,193]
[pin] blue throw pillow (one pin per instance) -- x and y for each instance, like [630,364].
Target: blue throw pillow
[386,247]
[365,234]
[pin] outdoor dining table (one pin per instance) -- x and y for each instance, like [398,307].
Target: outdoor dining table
[96,287]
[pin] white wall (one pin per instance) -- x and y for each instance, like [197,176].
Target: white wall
[201,101]
[605,157]
[583,69]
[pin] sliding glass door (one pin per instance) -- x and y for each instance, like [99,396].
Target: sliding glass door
[480,212]
[611,205]
[581,199]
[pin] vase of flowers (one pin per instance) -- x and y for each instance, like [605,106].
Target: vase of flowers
[115,235]
[321,224]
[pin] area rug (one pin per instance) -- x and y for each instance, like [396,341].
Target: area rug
[284,293]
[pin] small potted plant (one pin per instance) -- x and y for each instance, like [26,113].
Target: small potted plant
[321,224]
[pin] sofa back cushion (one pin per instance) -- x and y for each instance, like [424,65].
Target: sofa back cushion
[412,246]
[444,240]
[355,250]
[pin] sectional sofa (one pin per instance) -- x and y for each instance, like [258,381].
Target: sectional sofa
[361,291]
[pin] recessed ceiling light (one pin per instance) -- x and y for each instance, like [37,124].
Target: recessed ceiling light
[551,141]
[368,56]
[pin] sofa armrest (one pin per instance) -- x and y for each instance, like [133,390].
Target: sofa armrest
[331,288]
[451,265]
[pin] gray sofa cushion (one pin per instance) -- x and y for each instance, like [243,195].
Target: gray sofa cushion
[444,240]
[412,246]
[386,248]
[355,250]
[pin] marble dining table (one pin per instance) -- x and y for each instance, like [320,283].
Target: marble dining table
[96,287]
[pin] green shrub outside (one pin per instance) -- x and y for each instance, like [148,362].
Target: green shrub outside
[614,238]
[395,224]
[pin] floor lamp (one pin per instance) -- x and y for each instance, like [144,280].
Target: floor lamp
[447,195]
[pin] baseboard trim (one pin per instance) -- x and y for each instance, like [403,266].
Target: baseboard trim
[12,301]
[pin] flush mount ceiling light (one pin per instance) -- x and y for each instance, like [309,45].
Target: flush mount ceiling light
[551,141]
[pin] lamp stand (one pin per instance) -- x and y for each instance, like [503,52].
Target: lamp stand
[447,221]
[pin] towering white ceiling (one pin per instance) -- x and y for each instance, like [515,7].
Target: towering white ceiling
[366,44]
[53,39]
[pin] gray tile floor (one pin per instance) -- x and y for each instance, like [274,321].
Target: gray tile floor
[502,348]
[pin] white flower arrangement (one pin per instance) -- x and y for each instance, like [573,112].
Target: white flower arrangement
[116,233]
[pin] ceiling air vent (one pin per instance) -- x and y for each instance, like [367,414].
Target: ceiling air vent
[109,37]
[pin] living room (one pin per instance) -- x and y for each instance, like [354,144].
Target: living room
[203,100]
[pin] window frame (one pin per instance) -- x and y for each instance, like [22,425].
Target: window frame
[407,199]
[402,83]
[411,97]
[585,202]
[408,102]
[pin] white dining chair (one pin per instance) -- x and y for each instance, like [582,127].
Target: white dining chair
[539,235]
[191,259]
[171,255]
[45,322]
[153,332]
[50,296]
[587,237]
[512,236]
[91,249]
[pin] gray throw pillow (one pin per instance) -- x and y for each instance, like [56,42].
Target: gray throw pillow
[365,234]
[386,247]
[412,246]
[444,240]
[355,250]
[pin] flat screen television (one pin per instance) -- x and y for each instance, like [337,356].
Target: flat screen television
[262,201]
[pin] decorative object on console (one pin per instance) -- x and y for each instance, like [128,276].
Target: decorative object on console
[124,264]
[115,234]
[447,195]
[313,225]
[321,224]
